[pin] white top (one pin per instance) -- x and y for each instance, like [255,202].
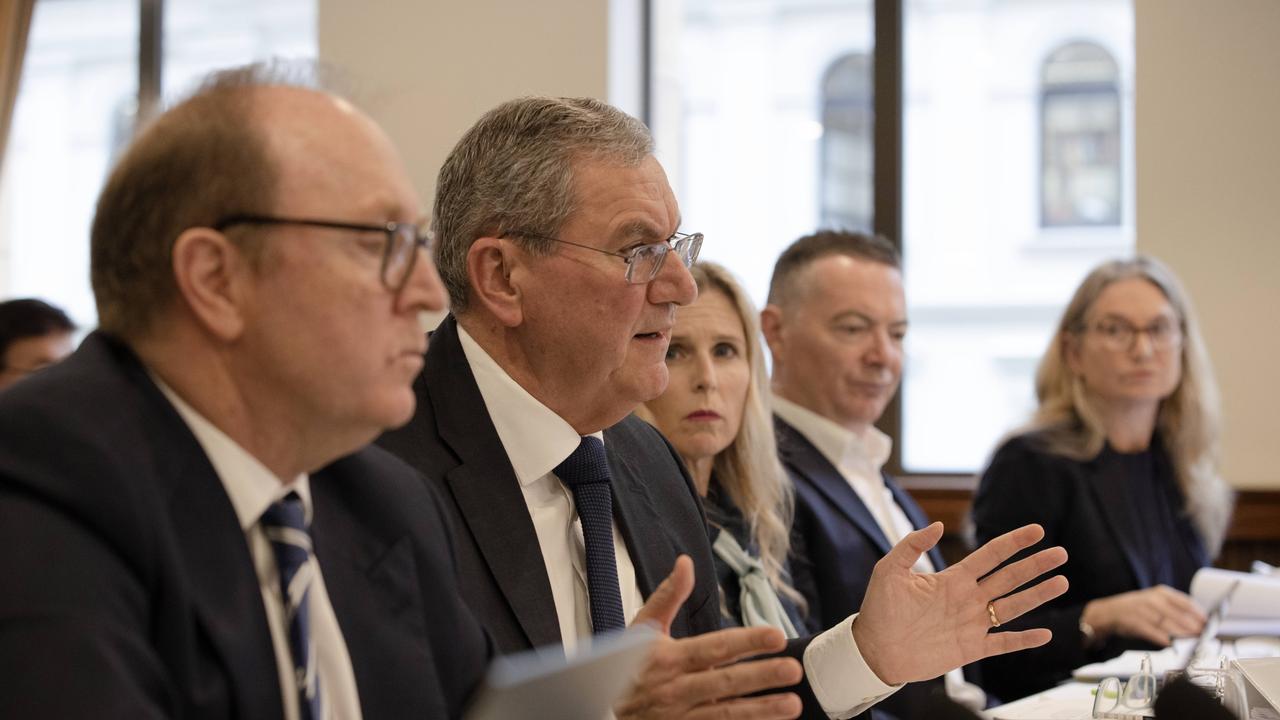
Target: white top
[536,441]
[860,459]
[252,489]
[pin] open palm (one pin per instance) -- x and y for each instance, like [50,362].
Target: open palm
[915,626]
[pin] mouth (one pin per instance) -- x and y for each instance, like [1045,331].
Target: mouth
[703,415]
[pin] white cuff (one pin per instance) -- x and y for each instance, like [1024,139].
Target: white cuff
[839,676]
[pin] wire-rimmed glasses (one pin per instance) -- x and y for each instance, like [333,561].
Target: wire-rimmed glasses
[1120,335]
[644,261]
[398,254]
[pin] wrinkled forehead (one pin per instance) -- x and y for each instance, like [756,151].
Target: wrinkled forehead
[331,158]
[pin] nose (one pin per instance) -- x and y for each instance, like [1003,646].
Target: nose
[1142,344]
[882,350]
[673,283]
[704,373]
[424,290]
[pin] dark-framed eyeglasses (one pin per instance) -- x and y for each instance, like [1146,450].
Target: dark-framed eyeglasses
[399,253]
[1119,335]
[644,261]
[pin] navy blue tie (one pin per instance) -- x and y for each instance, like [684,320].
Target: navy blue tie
[285,525]
[586,473]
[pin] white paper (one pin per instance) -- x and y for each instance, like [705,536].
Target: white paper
[1254,607]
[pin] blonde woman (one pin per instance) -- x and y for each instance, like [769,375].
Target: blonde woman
[1120,466]
[715,414]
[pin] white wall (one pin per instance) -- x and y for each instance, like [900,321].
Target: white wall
[427,70]
[1208,197]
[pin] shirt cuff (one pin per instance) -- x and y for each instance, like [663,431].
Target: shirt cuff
[839,676]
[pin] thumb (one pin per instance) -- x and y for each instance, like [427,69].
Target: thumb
[907,552]
[661,607]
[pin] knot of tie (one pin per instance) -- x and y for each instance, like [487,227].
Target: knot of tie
[586,473]
[285,525]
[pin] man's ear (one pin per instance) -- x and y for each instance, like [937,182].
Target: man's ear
[212,276]
[491,264]
[771,328]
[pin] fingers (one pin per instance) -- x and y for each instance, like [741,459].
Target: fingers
[904,555]
[989,556]
[725,646]
[999,643]
[1181,615]
[1016,605]
[769,707]
[661,607]
[732,681]
[1014,576]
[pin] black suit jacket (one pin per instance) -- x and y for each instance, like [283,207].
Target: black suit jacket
[1085,509]
[129,586]
[453,443]
[838,543]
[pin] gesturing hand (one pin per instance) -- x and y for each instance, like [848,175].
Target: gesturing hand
[699,677]
[915,626]
[1153,614]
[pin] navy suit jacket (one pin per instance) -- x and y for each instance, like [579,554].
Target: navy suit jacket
[453,443]
[837,543]
[129,587]
[1084,508]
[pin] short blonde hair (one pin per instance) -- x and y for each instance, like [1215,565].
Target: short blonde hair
[1188,420]
[748,470]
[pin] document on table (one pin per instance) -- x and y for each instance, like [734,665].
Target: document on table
[1254,608]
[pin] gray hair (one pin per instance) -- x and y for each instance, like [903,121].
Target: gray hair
[513,171]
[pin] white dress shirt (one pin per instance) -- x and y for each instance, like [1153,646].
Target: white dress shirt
[860,459]
[252,489]
[536,440]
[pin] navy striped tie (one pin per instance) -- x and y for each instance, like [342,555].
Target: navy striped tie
[586,473]
[285,525]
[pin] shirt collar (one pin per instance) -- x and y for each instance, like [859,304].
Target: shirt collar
[535,438]
[839,445]
[251,487]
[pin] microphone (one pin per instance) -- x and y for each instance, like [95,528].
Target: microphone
[941,707]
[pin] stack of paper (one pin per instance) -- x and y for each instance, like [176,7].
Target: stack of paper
[1254,607]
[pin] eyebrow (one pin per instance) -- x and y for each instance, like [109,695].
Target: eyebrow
[1167,316]
[866,318]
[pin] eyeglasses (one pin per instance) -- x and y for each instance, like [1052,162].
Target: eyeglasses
[1119,336]
[1132,699]
[643,262]
[399,254]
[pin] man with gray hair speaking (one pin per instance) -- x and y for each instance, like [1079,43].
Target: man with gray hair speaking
[555,224]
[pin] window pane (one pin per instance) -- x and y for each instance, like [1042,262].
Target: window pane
[741,95]
[73,114]
[986,281]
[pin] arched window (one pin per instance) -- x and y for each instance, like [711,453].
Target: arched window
[847,172]
[1080,137]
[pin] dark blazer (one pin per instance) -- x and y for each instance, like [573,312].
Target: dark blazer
[129,586]
[837,535]
[452,442]
[1084,508]
[838,543]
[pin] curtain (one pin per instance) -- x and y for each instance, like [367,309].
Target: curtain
[15,21]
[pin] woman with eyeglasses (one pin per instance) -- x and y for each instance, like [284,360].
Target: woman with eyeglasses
[715,413]
[1120,466]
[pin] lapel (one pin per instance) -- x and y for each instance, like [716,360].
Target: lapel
[1110,497]
[211,547]
[641,526]
[810,465]
[372,580]
[486,489]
